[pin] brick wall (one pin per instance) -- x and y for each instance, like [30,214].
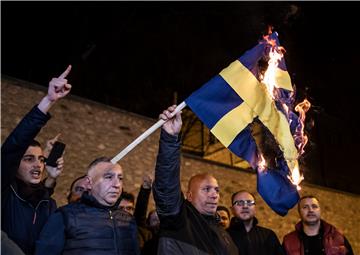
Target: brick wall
[90,130]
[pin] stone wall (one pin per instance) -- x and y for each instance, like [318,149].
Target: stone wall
[90,130]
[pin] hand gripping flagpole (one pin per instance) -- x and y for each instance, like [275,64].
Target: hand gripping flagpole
[144,135]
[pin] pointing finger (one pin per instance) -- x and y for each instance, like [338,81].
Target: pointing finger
[64,74]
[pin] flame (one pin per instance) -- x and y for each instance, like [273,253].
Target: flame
[261,164]
[301,108]
[269,78]
[296,177]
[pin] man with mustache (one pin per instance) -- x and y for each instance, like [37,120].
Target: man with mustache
[313,235]
[187,226]
[250,238]
[94,224]
[26,203]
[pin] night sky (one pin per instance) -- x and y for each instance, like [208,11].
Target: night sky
[136,55]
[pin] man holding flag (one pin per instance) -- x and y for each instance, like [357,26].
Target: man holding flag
[187,226]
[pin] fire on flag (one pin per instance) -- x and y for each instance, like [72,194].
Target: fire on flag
[248,107]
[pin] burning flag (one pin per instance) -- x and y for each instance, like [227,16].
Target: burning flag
[247,106]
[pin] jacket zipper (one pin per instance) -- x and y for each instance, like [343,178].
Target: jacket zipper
[114,229]
[35,209]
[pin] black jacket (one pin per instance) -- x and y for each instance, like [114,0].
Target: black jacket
[21,219]
[183,230]
[141,206]
[258,241]
[87,227]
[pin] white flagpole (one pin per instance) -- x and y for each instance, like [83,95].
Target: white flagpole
[144,135]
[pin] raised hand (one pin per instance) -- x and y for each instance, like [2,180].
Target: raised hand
[147,182]
[173,123]
[59,87]
[54,172]
[50,144]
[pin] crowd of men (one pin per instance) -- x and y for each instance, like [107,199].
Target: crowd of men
[101,218]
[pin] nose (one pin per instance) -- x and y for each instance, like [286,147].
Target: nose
[116,183]
[214,194]
[38,162]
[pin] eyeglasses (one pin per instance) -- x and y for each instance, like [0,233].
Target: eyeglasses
[244,202]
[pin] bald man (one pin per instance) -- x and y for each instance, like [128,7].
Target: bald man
[187,226]
[93,225]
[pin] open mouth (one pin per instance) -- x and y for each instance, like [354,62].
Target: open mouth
[36,174]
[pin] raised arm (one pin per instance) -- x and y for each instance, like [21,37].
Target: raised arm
[142,201]
[167,188]
[20,138]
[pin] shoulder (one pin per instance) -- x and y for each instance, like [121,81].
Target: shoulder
[290,236]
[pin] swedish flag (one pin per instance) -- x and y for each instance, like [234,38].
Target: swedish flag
[233,100]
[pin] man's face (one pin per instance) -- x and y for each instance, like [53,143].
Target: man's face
[127,206]
[224,218]
[204,195]
[244,207]
[79,187]
[309,211]
[106,182]
[31,165]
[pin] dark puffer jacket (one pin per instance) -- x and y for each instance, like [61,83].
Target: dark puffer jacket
[21,219]
[183,230]
[87,227]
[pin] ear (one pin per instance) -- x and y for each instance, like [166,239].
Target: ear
[233,209]
[88,183]
[189,196]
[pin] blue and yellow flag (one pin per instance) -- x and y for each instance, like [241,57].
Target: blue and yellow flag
[232,101]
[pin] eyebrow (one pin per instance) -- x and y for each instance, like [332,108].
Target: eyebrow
[33,156]
[110,172]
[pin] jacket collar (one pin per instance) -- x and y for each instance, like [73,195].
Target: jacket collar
[239,224]
[214,219]
[325,228]
[32,193]
[88,199]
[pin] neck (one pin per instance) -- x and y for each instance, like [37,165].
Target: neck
[248,224]
[311,230]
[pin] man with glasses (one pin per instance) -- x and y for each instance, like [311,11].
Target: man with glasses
[246,234]
[26,203]
[313,235]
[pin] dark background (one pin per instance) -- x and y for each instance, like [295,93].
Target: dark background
[136,55]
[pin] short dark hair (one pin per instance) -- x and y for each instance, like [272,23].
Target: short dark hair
[241,191]
[127,196]
[98,160]
[223,208]
[305,197]
[35,143]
